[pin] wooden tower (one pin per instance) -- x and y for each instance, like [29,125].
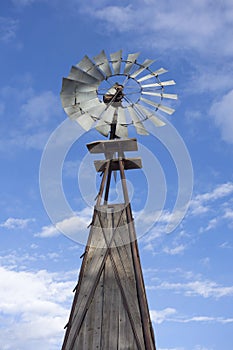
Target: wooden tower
[110,310]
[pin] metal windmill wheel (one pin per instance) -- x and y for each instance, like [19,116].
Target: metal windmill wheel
[112,94]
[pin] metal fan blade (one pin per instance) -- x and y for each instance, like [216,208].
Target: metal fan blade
[97,111]
[86,105]
[101,61]
[150,115]
[69,86]
[171,96]
[85,121]
[108,115]
[89,67]
[153,74]
[67,100]
[141,130]
[144,65]
[85,96]
[103,128]
[116,61]
[130,62]
[121,127]
[71,110]
[81,76]
[165,109]
[161,84]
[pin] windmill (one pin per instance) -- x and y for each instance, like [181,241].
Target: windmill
[110,309]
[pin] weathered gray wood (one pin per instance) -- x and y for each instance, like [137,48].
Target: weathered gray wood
[129,164]
[110,146]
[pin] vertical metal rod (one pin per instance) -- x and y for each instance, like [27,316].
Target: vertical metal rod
[144,310]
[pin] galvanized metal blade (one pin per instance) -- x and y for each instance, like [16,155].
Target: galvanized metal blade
[103,128]
[85,96]
[161,84]
[67,100]
[153,74]
[144,65]
[151,116]
[131,59]
[171,96]
[69,86]
[73,111]
[86,105]
[81,76]
[141,130]
[97,111]
[85,121]
[101,61]
[121,127]
[165,109]
[116,59]
[88,66]
[108,115]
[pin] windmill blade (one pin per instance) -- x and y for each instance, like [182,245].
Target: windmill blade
[85,96]
[73,112]
[97,111]
[151,116]
[161,84]
[86,105]
[144,65]
[89,67]
[131,59]
[85,121]
[69,86]
[121,127]
[108,115]
[102,62]
[116,61]
[81,76]
[68,101]
[153,74]
[165,109]
[141,130]
[171,96]
[103,128]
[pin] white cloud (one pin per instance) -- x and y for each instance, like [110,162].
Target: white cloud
[74,227]
[34,308]
[221,112]
[174,251]
[200,203]
[162,315]
[38,109]
[171,315]
[14,223]
[8,28]
[204,288]
[194,24]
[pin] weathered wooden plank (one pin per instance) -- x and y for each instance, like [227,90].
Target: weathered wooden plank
[129,164]
[109,146]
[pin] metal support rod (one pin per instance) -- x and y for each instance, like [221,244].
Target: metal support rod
[144,310]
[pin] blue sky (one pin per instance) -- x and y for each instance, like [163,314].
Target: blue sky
[188,273]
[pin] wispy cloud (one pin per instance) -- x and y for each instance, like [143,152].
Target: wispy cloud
[221,112]
[193,24]
[172,315]
[203,288]
[8,29]
[16,223]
